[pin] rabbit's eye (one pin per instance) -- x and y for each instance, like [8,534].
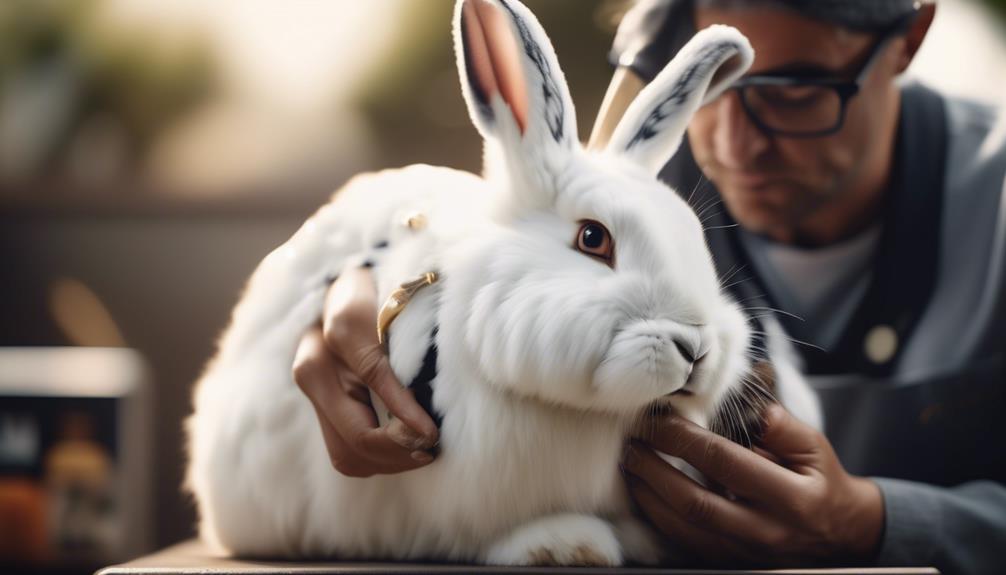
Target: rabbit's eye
[593,239]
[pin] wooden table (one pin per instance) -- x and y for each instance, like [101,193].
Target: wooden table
[192,558]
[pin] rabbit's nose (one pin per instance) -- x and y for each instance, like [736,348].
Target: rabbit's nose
[686,349]
[691,342]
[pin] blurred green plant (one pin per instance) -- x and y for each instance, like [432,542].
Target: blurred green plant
[137,80]
[412,99]
[999,6]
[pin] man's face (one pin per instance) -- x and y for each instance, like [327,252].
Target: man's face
[780,186]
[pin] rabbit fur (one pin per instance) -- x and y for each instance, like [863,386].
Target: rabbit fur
[547,356]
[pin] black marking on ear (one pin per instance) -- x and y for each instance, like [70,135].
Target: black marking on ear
[677,96]
[555,112]
[481,98]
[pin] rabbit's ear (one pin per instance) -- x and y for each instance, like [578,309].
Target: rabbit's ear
[516,93]
[655,122]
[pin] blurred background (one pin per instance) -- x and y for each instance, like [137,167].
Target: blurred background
[153,151]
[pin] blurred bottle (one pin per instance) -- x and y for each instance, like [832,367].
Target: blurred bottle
[23,504]
[79,479]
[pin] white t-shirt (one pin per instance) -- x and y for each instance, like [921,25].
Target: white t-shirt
[822,286]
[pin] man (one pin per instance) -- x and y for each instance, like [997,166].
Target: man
[873,211]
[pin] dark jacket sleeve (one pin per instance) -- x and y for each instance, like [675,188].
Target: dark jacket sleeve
[957,530]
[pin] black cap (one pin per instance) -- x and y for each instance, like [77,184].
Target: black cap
[654,30]
[863,15]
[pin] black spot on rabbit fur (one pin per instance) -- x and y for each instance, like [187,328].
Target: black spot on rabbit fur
[677,96]
[554,106]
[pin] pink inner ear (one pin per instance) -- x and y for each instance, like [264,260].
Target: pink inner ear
[495,58]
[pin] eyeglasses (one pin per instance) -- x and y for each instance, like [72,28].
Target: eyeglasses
[808,107]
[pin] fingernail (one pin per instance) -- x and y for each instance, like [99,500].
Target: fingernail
[426,437]
[432,439]
[417,442]
[422,456]
[405,436]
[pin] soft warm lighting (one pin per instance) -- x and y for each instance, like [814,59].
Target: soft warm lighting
[282,118]
[964,31]
[83,317]
[291,53]
[73,372]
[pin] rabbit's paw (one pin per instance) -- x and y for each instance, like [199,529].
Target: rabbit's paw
[568,539]
[639,543]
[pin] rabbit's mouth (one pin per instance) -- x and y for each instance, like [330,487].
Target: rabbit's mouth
[654,359]
[692,383]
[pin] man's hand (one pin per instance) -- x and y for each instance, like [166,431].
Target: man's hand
[335,365]
[788,503]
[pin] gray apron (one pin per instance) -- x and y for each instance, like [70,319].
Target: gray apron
[941,429]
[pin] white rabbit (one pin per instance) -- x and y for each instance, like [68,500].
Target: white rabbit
[576,291]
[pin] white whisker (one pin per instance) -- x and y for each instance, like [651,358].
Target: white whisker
[772,309]
[720,227]
[701,182]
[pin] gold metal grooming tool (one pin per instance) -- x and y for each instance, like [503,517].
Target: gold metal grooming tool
[397,301]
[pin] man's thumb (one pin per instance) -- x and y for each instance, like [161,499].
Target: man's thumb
[790,439]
